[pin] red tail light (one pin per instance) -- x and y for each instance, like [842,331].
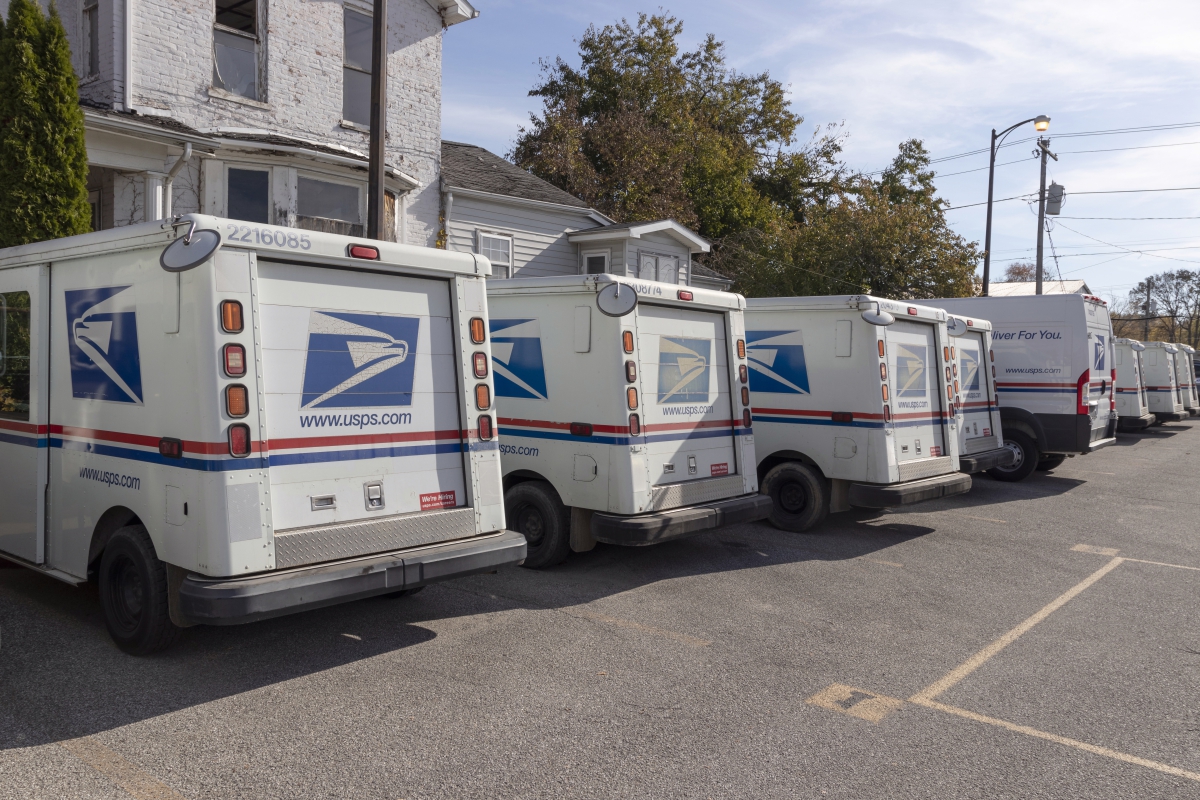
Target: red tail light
[478,334]
[170,448]
[231,316]
[745,396]
[635,425]
[485,427]
[239,440]
[480,362]
[581,429]
[887,413]
[912,310]
[746,419]
[685,295]
[945,354]
[1112,395]
[949,392]
[235,360]
[364,251]
[743,374]
[843,416]
[1081,392]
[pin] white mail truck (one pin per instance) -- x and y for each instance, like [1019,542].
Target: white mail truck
[219,421]
[1162,387]
[1133,409]
[1185,376]
[624,411]
[853,402]
[980,431]
[1054,373]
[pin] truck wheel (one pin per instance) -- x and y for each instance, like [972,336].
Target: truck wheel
[533,509]
[133,593]
[799,496]
[1027,458]
[1047,463]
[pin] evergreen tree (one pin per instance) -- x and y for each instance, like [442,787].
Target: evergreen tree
[43,157]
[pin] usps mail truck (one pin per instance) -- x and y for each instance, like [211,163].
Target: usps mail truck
[1185,376]
[1054,374]
[219,422]
[980,432]
[624,411]
[1162,387]
[853,402]
[1133,409]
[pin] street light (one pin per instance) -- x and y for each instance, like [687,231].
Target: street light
[1040,123]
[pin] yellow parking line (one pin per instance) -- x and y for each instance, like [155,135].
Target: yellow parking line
[855,702]
[134,780]
[979,659]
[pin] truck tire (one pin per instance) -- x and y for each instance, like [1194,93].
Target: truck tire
[133,593]
[799,496]
[1047,463]
[534,509]
[1027,458]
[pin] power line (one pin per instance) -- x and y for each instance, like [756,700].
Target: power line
[1139,252]
[1109,132]
[1076,194]
[1143,218]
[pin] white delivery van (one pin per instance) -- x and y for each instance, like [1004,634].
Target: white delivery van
[220,422]
[853,405]
[623,410]
[1133,409]
[980,432]
[1054,373]
[1162,387]
[1185,376]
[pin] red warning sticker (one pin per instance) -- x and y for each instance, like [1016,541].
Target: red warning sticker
[438,500]
[720,469]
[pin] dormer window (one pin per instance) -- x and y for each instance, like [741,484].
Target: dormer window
[235,48]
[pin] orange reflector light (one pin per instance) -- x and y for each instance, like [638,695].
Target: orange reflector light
[635,425]
[745,396]
[581,429]
[885,393]
[741,348]
[631,398]
[956,387]
[880,348]
[231,316]
[746,419]
[949,392]
[630,371]
[485,427]
[951,352]
[170,448]
[480,361]
[627,341]
[945,354]
[743,374]
[237,402]
[364,251]
[477,331]
[684,295]
[235,360]
[239,440]
[483,397]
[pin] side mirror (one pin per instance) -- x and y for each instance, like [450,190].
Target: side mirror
[1137,346]
[956,326]
[878,317]
[616,299]
[192,250]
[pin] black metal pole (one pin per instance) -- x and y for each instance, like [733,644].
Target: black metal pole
[375,191]
[1044,146]
[987,236]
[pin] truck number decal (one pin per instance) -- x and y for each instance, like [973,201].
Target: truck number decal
[278,238]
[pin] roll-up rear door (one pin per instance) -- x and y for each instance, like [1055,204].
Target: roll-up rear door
[974,389]
[913,360]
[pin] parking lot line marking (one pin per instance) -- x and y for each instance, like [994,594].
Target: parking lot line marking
[1099,551]
[1163,564]
[135,781]
[855,702]
[979,659]
[881,561]
[985,519]
[1063,740]
[694,641]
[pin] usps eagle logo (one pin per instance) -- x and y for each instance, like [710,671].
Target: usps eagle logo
[968,369]
[103,344]
[517,358]
[683,369]
[910,370]
[358,360]
[777,362]
[1099,354]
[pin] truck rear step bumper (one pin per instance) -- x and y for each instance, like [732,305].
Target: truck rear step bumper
[232,601]
[1171,416]
[646,529]
[875,495]
[980,462]
[1130,423]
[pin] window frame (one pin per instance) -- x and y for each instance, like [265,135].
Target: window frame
[511,267]
[91,45]
[348,8]
[260,43]
[340,181]
[585,254]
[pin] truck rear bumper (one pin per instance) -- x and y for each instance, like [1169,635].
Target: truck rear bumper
[646,529]
[877,495]
[232,601]
[1130,423]
[1171,416]
[981,462]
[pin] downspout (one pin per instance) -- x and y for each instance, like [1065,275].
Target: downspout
[170,179]
[128,54]
[447,207]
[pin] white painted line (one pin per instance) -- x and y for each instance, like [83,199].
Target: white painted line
[1099,551]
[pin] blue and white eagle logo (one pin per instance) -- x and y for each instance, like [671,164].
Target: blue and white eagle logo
[517,358]
[777,362]
[358,360]
[910,370]
[103,344]
[683,369]
[1099,354]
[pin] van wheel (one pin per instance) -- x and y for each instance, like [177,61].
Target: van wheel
[799,496]
[1027,458]
[533,509]
[1047,463]
[133,593]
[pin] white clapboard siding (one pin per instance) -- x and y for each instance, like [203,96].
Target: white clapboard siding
[540,245]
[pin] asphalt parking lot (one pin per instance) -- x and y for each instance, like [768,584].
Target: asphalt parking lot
[1032,640]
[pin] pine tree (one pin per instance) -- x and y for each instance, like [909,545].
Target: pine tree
[43,157]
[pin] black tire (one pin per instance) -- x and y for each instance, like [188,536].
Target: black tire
[534,509]
[133,593]
[1027,458]
[799,496]
[1047,463]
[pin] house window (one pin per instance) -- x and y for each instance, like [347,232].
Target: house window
[498,250]
[356,67]
[249,196]
[94,200]
[235,48]
[91,38]
[327,206]
[595,263]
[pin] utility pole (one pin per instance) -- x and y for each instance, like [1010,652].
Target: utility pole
[1040,123]
[375,167]
[1044,150]
[1146,318]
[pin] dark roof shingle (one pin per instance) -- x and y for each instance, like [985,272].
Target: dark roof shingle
[466,166]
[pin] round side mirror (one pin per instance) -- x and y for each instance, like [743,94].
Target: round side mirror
[1138,347]
[956,326]
[189,251]
[878,317]
[616,300]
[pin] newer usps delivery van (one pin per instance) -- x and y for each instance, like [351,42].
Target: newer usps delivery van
[624,411]
[854,405]
[219,422]
[1133,409]
[1054,373]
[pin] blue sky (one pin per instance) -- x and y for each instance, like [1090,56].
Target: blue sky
[944,72]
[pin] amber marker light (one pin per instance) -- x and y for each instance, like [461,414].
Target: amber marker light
[477,331]
[483,397]
[237,401]
[627,341]
[631,398]
[741,348]
[231,316]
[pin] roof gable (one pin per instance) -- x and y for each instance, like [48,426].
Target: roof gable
[465,166]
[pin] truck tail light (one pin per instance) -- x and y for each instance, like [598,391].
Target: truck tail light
[231,316]
[364,251]
[883,372]
[956,387]
[478,334]
[235,360]
[170,448]
[630,371]
[745,396]
[741,347]
[887,413]
[581,429]
[237,401]
[627,341]
[485,427]
[483,397]
[945,354]
[842,416]
[992,355]
[885,393]
[683,294]
[480,362]
[1081,392]
[743,373]
[239,440]
[635,425]
[993,371]
[948,375]
[631,398]
[880,343]
[951,352]
[912,310]
[746,418]
[949,393]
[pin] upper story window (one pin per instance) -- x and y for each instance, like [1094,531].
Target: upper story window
[235,48]
[91,38]
[327,206]
[498,250]
[356,67]
[595,263]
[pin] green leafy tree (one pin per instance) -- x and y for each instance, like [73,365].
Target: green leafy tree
[43,157]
